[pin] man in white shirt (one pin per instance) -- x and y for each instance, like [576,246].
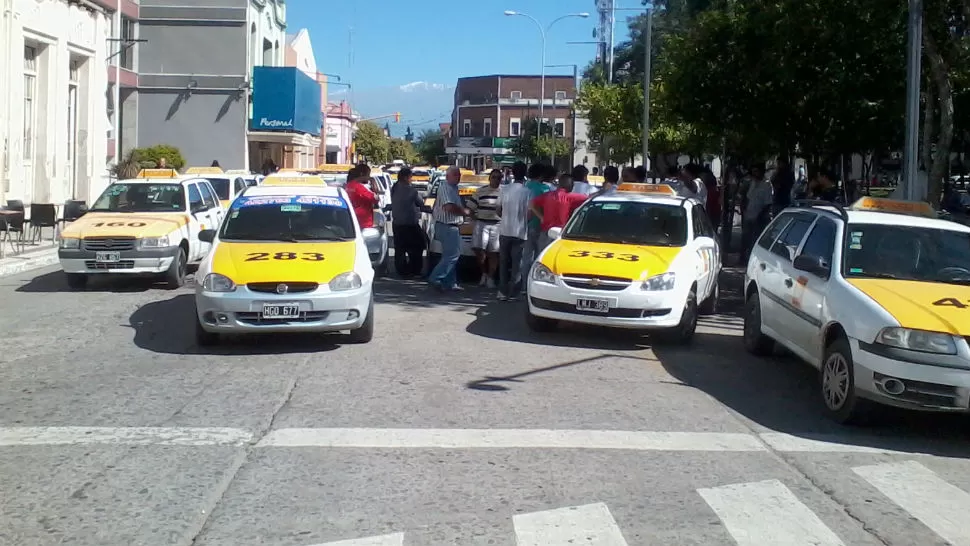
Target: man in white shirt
[580,185]
[513,211]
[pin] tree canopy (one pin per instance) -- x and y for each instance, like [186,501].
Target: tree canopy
[371,142]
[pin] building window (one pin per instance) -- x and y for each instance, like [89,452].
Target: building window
[72,81]
[515,95]
[466,127]
[515,126]
[30,92]
[560,127]
[560,95]
[128,44]
[487,130]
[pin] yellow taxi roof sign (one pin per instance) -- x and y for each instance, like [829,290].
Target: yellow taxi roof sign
[158,173]
[294,181]
[238,171]
[881,204]
[658,189]
[288,170]
[204,170]
[334,168]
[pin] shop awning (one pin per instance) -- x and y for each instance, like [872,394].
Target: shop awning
[279,137]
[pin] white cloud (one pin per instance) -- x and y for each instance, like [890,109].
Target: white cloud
[422,86]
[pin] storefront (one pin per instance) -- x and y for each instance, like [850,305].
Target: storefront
[286,123]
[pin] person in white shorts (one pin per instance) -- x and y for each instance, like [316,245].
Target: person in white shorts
[485,238]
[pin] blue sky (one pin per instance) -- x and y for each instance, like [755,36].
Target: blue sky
[437,41]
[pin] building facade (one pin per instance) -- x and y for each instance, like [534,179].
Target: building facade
[53,109]
[299,54]
[491,111]
[340,126]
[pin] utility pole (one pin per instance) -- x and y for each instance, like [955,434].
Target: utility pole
[913,189]
[647,46]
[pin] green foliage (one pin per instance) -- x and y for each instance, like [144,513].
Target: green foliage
[127,168]
[615,114]
[532,146]
[371,143]
[150,156]
[430,147]
[399,148]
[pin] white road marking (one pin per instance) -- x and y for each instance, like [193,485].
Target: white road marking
[396,539]
[789,443]
[173,436]
[761,513]
[398,438]
[588,525]
[939,505]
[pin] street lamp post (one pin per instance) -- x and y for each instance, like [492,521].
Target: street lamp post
[542,76]
[912,189]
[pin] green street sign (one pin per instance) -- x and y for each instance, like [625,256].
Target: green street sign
[503,142]
[504,159]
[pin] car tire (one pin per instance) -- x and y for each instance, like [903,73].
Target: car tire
[76,281]
[539,324]
[709,306]
[365,333]
[840,400]
[755,341]
[683,333]
[204,338]
[175,277]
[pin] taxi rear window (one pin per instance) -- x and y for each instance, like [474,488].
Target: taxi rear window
[650,224]
[221,185]
[121,197]
[907,253]
[288,218]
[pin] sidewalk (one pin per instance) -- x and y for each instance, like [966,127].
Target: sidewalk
[43,254]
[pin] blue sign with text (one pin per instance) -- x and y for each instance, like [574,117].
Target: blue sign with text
[286,100]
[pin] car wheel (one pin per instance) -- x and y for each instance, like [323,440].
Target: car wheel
[366,331]
[709,306]
[204,338]
[76,281]
[175,277]
[539,324]
[683,333]
[754,341]
[837,386]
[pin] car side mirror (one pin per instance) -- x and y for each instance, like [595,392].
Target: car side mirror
[815,265]
[207,235]
[371,233]
[554,232]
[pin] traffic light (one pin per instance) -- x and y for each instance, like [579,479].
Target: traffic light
[397,117]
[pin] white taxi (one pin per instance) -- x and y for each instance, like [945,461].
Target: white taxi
[147,225]
[287,259]
[876,296]
[641,258]
[227,185]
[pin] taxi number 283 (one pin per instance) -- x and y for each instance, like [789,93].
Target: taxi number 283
[285,256]
[604,255]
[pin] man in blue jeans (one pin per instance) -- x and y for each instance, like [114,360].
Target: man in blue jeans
[449,213]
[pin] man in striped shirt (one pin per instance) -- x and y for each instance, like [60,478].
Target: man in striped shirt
[485,240]
[449,213]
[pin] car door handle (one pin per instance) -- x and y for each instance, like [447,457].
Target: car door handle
[762,266]
[788,283]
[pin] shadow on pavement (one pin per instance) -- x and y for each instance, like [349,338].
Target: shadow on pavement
[56,282]
[495,383]
[168,326]
[418,294]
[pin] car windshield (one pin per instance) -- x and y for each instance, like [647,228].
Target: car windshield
[335,179]
[907,253]
[629,222]
[126,197]
[288,218]
[221,185]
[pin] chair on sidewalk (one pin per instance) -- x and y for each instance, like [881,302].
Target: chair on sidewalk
[42,215]
[12,228]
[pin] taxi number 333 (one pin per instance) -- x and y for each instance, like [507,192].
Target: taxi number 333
[284,256]
[604,255]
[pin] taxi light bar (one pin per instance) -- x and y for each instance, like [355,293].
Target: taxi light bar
[334,168]
[659,189]
[881,204]
[158,173]
[302,181]
[204,170]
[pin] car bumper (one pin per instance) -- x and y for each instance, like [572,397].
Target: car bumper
[466,246]
[630,308]
[146,261]
[927,387]
[320,310]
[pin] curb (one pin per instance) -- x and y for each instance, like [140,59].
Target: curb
[14,265]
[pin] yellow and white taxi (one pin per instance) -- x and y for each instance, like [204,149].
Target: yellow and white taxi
[287,259]
[876,296]
[228,185]
[640,258]
[466,188]
[147,225]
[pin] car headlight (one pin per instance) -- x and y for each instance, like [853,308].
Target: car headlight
[664,281]
[346,281]
[215,282]
[917,340]
[70,243]
[154,242]
[541,273]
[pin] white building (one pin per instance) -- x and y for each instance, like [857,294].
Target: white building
[53,107]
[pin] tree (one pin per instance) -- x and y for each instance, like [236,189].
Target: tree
[370,141]
[399,148]
[533,147]
[430,146]
[615,115]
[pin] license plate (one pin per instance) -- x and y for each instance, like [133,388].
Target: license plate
[107,257]
[593,304]
[281,310]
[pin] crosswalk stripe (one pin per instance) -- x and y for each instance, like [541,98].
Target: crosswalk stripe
[395,539]
[942,507]
[171,436]
[767,512]
[589,525]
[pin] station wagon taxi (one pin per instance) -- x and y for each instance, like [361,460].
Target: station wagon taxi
[876,296]
[641,258]
[287,259]
[147,225]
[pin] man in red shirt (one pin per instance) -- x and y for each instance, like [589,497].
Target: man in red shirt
[362,199]
[554,208]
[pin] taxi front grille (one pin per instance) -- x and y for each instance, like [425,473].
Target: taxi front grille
[291,287]
[596,282]
[123,264]
[108,243]
[256,319]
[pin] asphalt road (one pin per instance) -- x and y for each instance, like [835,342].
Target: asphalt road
[455,426]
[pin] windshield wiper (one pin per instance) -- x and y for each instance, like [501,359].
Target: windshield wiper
[576,237]
[883,276]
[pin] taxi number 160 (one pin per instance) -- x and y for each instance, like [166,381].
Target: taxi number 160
[285,256]
[604,255]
